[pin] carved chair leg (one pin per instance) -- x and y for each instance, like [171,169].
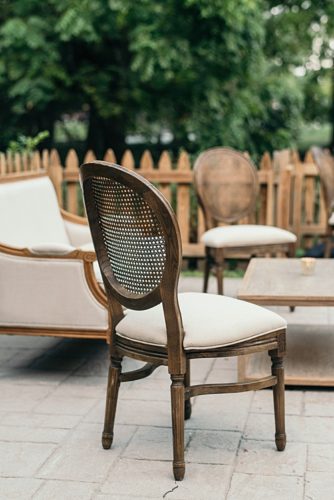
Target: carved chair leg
[111,401]
[328,247]
[177,398]
[278,392]
[187,403]
[219,264]
[220,277]
[207,267]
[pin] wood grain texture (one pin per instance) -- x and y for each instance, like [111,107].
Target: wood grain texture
[100,208]
[281,282]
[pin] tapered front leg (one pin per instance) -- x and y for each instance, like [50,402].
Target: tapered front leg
[177,399]
[279,405]
[206,274]
[111,401]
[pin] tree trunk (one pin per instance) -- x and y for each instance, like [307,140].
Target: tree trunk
[106,133]
[331,111]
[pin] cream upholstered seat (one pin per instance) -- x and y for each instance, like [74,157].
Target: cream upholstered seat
[246,235]
[138,246]
[47,282]
[227,187]
[209,321]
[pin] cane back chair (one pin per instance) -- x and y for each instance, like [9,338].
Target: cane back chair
[137,242]
[227,187]
[325,163]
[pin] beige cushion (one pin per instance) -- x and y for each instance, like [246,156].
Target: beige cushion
[52,249]
[209,321]
[48,293]
[79,234]
[246,235]
[32,213]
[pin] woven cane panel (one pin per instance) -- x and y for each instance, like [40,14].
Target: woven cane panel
[132,234]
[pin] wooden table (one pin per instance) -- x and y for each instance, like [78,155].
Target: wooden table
[310,348]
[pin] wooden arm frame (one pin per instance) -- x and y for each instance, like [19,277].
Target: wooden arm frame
[87,258]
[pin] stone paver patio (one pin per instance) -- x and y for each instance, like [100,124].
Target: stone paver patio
[52,404]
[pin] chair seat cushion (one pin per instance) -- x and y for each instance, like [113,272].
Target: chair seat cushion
[246,235]
[209,321]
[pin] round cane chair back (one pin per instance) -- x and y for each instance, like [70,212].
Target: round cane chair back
[135,234]
[325,163]
[226,184]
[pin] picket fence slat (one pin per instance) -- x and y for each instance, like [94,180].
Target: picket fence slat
[289,197]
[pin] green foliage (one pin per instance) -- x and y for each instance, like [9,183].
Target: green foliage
[210,71]
[25,144]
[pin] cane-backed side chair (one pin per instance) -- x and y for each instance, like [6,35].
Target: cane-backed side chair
[325,163]
[227,187]
[138,246]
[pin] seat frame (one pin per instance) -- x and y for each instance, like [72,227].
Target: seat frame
[215,257]
[174,356]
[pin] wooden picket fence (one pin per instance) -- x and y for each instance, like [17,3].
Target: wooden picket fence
[290,192]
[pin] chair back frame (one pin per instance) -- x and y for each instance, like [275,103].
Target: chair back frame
[166,290]
[226,184]
[325,164]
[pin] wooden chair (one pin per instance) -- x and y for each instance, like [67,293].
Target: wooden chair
[137,242]
[227,188]
[325,163]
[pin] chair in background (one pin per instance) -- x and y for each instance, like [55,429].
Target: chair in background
[227,188]
[325,163]
[48,284]
[138,246]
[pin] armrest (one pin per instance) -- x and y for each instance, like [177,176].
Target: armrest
[51,249]
[77,229]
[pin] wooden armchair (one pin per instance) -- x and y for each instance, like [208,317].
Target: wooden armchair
[137,242]
[48,277]
[227,188]
[325,163]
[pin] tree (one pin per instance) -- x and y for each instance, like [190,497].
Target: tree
[203,69]
[300,39]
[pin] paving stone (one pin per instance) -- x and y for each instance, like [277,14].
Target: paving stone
[260,487]
[255,456]
[31,434]
[66,490]
[220,412]
[29,419]
[65,406]
[135,412]
[148,389]
[320,458]
[305,315]
[82,458]
[18,488]
[83,387]
[19,398]
[319,486]
[23,459]
[139,478]
[319,403]
[212,447]
[151,443]
[263,402]
[298,429]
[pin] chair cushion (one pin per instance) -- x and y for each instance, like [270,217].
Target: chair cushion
[32,213]
[246,235]
[209,321]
